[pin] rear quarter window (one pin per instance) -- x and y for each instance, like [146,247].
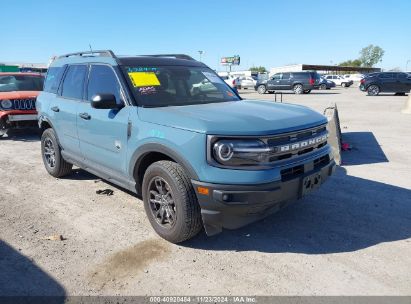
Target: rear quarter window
[53,79]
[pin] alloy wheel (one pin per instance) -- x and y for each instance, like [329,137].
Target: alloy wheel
[49,153]
[161,201]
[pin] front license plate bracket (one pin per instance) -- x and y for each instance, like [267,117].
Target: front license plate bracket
[310,183]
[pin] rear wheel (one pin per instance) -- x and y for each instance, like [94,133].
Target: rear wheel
[170,202]
[373,90]
[298,89]
[323,86]
[343,84]
[261,89]
[51,154]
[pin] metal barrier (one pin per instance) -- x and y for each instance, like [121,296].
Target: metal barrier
[281,96]
[334,131]
[407,107]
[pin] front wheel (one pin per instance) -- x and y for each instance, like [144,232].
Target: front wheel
[261,89]
[170,202]
[323,86]
[51,154]
[373,90]
[298,89]
[343,84]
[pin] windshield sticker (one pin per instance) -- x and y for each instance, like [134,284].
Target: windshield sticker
[147,90]
[143,79]
[141,69]
[212,77]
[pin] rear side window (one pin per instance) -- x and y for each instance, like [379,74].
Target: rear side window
[74,81]
[386,75]
[302,75]
[286,76]
[53,78]
[401,75]
[102,80]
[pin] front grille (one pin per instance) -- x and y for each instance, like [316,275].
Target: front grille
[296,143]
[24,104]
[296,171]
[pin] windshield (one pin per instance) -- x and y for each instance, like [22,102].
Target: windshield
[9,83]
[161,86]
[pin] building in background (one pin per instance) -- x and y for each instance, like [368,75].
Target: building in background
[323,69]
[24,67]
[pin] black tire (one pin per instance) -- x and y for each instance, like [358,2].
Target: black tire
[323,86]
[261,89]
[298,89]
[373,90]
[343,84]
[183,204]
[307,91]
[51,154]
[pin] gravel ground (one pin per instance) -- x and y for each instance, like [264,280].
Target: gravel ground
[352,237]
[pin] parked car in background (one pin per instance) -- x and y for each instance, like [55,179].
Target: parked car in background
[299,82]
[388,82]
[18,93]
[230,80]
[354,77]
[339,80]
[245,82]
[326,84]
[199,158]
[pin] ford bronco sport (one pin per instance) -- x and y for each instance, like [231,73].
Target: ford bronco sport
[168,128]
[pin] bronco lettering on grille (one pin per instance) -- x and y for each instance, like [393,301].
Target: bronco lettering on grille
[302,144]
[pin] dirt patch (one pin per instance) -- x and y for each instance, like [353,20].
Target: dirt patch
[130,262]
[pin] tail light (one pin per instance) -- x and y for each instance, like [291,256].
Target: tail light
[362,81]
[312,81]
[234,82]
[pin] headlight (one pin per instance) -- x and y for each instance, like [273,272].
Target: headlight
[239,152]
[6,104]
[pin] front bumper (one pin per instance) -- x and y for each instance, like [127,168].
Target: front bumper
[24,117]
[234,206]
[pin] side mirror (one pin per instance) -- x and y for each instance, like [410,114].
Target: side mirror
[104,101]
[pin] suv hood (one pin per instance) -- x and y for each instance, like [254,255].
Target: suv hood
[251,117]
[18,94]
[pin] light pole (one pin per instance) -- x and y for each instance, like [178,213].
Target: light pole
[406,65]
[201,54]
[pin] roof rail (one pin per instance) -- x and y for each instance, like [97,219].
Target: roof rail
[102,53]
[178,56]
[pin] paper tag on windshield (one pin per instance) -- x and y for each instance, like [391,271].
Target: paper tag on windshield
[144,79]
[212,77]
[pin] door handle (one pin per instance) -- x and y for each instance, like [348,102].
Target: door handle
[85,116]
[55,109]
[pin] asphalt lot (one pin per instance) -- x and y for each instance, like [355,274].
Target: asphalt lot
[352,237]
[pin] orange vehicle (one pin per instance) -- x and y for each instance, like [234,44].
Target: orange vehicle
[18,93]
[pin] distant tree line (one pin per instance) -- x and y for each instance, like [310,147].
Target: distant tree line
[259,69]
[369,56]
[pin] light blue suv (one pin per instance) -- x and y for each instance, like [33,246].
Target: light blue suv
[168,128]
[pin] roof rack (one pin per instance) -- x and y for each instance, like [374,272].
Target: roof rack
[178,56]
[102,53]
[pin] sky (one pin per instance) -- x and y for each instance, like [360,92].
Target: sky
[265,33]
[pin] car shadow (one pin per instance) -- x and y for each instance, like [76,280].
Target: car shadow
[365,149]
[27,135]
[347,214]
[21,280]
[80,174]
